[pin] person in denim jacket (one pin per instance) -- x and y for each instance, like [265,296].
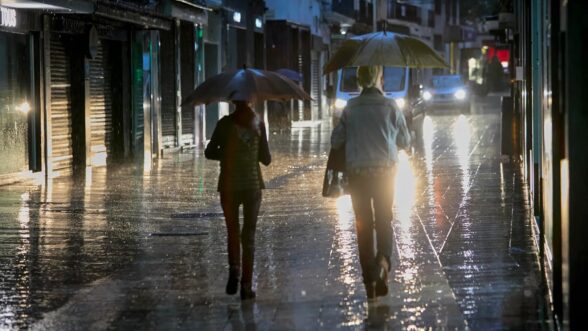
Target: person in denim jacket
[371,130]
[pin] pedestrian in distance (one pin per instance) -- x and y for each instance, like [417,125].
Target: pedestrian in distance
[239,142]
[370,130]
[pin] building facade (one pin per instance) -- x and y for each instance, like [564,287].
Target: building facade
[296,39]
[549,139]
[92,83]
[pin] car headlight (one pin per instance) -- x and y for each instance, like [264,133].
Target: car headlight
[460,94]
[400,102]
[340,103]
[427,95]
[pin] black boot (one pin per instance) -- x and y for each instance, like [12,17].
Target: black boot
[370,290]
[247,292]
[233,282]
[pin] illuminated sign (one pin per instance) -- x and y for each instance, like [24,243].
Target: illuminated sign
[237,17]
[7,17]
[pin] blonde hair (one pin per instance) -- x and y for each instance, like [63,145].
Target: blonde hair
[369,76]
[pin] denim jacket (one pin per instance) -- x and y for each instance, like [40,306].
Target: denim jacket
[371,129]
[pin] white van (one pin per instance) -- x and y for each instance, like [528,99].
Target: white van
[400,83]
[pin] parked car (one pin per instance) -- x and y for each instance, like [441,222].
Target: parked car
[448,92]
[399,84]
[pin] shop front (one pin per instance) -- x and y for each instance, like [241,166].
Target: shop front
[85,70]
[19,102]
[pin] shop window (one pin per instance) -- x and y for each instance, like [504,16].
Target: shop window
[15,103]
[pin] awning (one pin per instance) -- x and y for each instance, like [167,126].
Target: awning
[188,11]
[125,15]
[58,6]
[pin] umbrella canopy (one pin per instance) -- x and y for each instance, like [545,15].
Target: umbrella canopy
[246,84]
[292,74]
[386,49]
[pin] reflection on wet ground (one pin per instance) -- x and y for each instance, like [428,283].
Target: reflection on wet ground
[122,250]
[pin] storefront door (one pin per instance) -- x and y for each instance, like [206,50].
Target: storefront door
[15,102]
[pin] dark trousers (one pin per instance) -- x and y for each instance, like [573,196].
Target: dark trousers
[230,202]
[372,199]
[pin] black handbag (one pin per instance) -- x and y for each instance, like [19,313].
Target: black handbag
[335,181]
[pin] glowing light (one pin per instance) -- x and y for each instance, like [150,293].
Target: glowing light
[462,135]
[258,23]
[345,239]
[24,107]
[548,137]
[400,102]
[427,95]
[502,187]
[460,94]
[428,135]
[345,212]
[24,212]
[340,103]
[404,189]
[237,17]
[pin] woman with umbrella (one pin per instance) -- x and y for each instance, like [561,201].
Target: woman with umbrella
[370,128]
[239,142]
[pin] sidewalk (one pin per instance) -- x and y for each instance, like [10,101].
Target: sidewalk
[123,250]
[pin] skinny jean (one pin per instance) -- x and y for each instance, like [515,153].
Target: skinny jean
[237,237]
[372,199]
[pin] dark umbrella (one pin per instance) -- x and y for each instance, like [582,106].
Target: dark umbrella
[385,49]
[246,84]
[292,74]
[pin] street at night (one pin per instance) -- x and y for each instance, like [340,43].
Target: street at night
[293,165]
[126,250]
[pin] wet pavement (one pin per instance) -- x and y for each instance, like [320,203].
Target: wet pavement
[121,249]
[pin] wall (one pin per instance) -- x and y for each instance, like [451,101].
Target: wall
[303,12]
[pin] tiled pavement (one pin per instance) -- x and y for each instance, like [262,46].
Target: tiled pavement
[124,250]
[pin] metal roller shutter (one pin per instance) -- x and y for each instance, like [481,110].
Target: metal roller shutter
[168,89]
[101,104]
[315,84]
[61,138]
[306,69]
[187,62]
